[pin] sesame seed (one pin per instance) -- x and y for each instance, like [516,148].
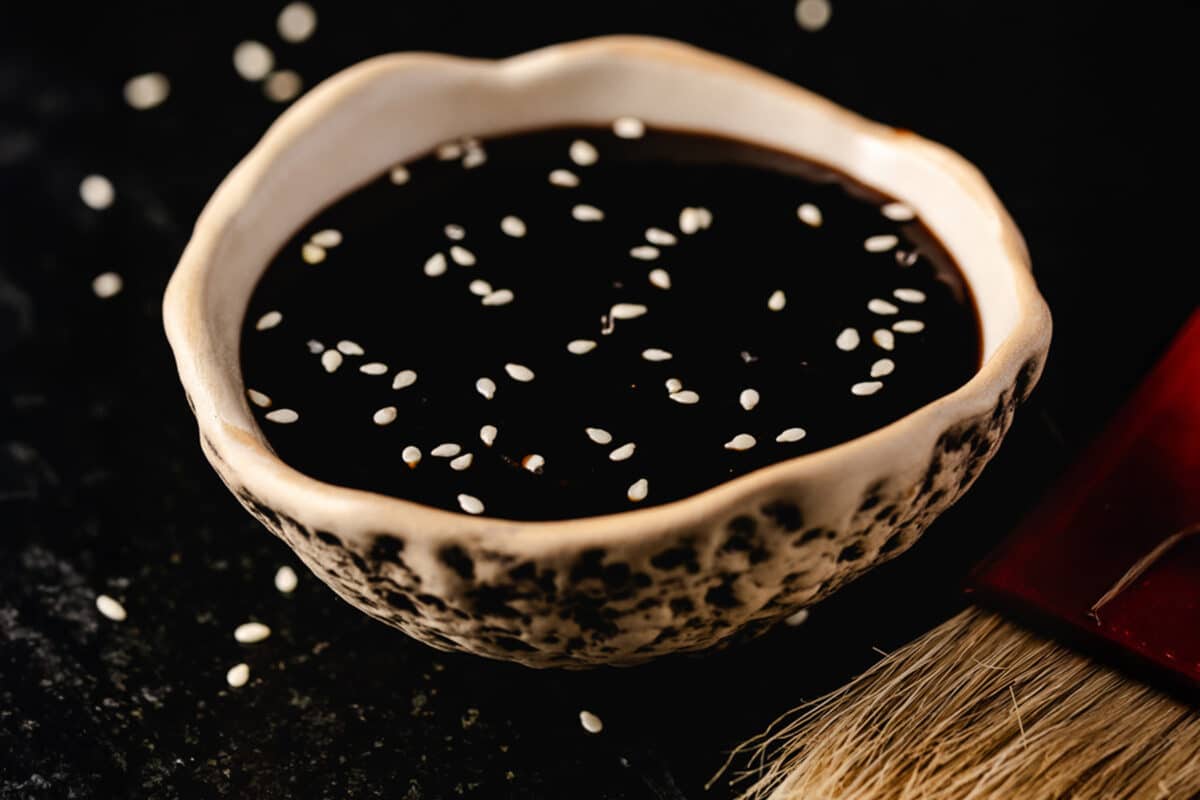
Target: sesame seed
[884,338]
[798,618]
[435,265]
[286,580]
[847,340]
[534,463]
[238,675]
[638,491]
[906,259]
[476,157]
[283,416]
[107,284]
[881,243]
[689,221]
[487,434]
[147,91]
[777,300]
[623,452]
[586,213]
[404,378]
[373,368]
[350,348]
[282,85]
[258,398]
[411,455]
[296,22]
[331,360]
[580,346]
[645,252]
[455,232]
[385,416]
[312,253]
[687,397]
[882,368]
[629,127]
[462,256]
[110,608]
[743,441]
[500,297]
[470,504]
[877,306]
[447,450]
[660,237]
[866,388]
[330,237]
[810,215]
[253,60]
[519,372]
[268,320]
[791,435]
[399,175]
[513,226]
[251,632]
[462,462]
[909,295]
[813,15]
[655,354]
[908,326]
[897,212]
[564,177]
[315,347]
[599,435]
[660,278]
[97,192]
[627,311]
[486,387]
[583,153]
[749,399]
[480,288]
[590,722]
[705,217]
[674,385]
[747,357]
[449,151]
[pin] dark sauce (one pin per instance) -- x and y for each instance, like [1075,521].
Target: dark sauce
[715,320]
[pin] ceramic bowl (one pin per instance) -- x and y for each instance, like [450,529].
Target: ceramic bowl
[626,587]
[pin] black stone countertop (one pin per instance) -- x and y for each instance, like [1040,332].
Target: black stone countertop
[1069,109]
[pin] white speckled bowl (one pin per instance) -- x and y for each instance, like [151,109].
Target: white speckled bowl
[625,587]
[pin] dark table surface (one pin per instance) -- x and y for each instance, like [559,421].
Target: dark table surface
[1071,110]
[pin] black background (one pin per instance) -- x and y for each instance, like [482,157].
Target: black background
[1076,112]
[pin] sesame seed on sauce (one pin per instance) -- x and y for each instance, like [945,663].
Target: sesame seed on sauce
[629,127]
[435,265]
[627,311]
[486,387]
[660,237]
[796,618]
[810,215]
[258,398]
[533,463]
[462,256]
[660,278]
[312,253]
[585,213]
[282,85]
[404,378]
[374,368]
[474,157]
[282,416]
[599,435]
[331,360]
[500,297]
[866,388]
[455,233]
[689,221]
[447,450]
[847,340]
[881,243]
[296,22]
[385,416]
[686,397]
[813,15]
[480,288]
[674,385]
[286,580]
[519,372]
[882,368]
[791,435]
[908,326]
[146,91]
[897,212]
[748,399]
[399,175]
[97,192]
[623,452]
[743,441]
[909,295]
[327,238]
[251,632]
[411,455]
[645,252]
[462,462]
[110,608]
[878,305]
[238,675]
[777,300]
[487,434]
[656,354]
[108,284]
[253,61]
[564,178]
[449,151]
[638,491]
[513,226]
[884,338]
[580,347]
[583,153]
[315,347]
[349,348]
[470,504]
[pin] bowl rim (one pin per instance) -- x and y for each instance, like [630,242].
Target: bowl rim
[247,455]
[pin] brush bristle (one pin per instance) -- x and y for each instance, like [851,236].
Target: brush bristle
[979,709]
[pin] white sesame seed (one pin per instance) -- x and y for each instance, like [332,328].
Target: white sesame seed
[500,297]
[583,153]
[513,226]
[258,398]
[847,340]
[749,399]
[798,618]
[534,463]
[476,157]
[580,346]
[268,320]
[462,462]
[374,368]
[238,675]
[564,177]
[147,91]
[629,127]
[656,354]
[331,360]
[747,357]
[487,434]
[882,368]
[908,326]
[110,608]
[486,387]
[813,15]
[645,252]
[638,491]
[470,504]
[435,265]
[251,632]
[315,347]
[519,372]
[627,311]
[411,455]
[282,85]
[455,232]
[907,259]
[480,288]
[881,243]
[312,253]
[743,441]
[107,284]
[791,435]
[660,237]
[283,416]
[674,385]
[909,295]
[350,348]
[884,338]
[330,237]
[623,452]
[462,256]
[866,388]
[286,579]
[704,216]
[399,175]
[385,416]
[253,60]
[660,278]
[447,450]
[897,212]
[449,151]
[599,435]
[810,215]
[586,213]
[878,306]
[590,722]
[404,378]
[777,300]
[689,221]
[97,192]
[687,397]
[296,22]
